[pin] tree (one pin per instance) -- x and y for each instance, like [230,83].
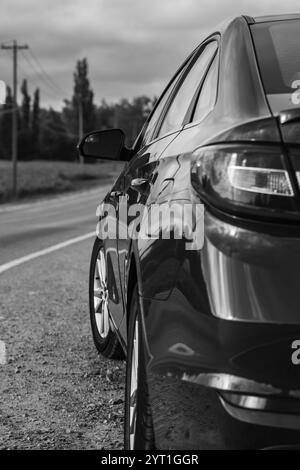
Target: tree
[6,125]
[35,122]
[25,108]
[25,141]
[81,108]
[105,115]
[55,143]
[130,116]
[140,109]
[83,99]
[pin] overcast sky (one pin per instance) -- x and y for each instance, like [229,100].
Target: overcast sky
[133,46]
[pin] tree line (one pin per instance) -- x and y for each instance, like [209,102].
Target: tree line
[53,135]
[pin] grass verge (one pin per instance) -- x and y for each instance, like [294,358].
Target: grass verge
[38,178]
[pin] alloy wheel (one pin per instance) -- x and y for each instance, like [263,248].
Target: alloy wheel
[101,296]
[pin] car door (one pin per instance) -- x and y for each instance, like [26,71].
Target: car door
[143,166]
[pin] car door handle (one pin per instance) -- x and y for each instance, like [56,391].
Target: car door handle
[138,183]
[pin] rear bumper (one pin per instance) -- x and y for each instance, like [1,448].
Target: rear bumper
[191,416]
[225,355]
[237,376]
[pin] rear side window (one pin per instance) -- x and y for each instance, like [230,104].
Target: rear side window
[208,93]
[278,53]
[150,129]
[158,110]
[175,115]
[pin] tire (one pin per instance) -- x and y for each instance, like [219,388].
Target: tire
[105,339]
[138,425]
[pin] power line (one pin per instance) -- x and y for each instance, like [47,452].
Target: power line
[41,84]
[53,92]
[46,74]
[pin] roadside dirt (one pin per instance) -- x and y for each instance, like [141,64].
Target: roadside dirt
[56,392]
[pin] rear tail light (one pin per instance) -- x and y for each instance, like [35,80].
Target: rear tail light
[251,179]
[259,180]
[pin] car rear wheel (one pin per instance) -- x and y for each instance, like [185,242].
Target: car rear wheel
[105,338]
[138,429]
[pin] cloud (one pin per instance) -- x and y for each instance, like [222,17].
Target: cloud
[133,46]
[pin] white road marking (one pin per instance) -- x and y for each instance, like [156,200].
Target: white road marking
[2,353]
[46,251]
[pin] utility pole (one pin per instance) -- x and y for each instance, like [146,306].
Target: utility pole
[15,48]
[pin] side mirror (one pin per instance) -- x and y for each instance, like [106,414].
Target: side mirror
[106,145]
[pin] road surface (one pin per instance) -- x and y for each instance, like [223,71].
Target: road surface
[56,392]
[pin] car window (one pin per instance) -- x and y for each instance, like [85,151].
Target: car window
[161,104]
[176,113]
[208,93]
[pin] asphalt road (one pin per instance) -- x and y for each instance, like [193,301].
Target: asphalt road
[56,392]
[27,228]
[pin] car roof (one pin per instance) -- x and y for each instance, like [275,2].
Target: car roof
[264,19]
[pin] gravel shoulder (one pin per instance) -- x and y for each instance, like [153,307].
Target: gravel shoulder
[56,392]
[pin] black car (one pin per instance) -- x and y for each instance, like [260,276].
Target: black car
[211,333]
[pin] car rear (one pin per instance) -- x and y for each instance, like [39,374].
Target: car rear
[252,253]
